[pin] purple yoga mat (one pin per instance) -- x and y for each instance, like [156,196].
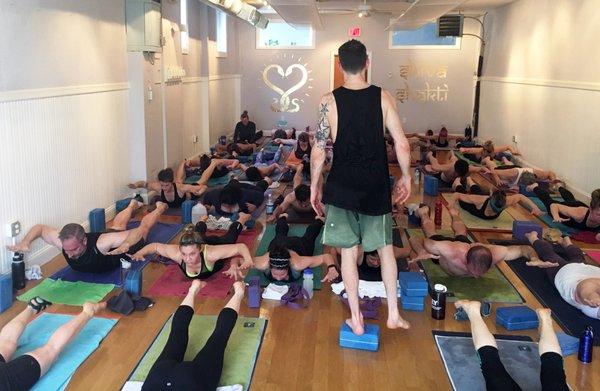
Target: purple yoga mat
[161,233]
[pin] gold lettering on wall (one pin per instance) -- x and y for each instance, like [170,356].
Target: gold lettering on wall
[428,92]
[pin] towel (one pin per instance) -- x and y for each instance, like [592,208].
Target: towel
[365,288]
[275,292]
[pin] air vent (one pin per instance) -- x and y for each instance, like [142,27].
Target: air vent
[450,26]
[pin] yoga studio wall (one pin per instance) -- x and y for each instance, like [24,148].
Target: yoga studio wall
[541,84]
[450,69]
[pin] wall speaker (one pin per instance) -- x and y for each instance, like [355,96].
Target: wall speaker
[450,26]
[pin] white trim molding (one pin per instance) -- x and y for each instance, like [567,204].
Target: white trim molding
[574,85]
[194,79]
[41,93]
[222,77]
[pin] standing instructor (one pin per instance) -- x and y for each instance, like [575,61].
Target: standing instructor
[358,192]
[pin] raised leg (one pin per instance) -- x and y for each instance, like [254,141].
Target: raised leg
[122,218]
[426,222]
[552,374]
[151,219]
[10,333]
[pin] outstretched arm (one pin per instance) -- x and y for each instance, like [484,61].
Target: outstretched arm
[146,185]
[48,235]
[170,251]
[526,202]
[223,251]
[301,263]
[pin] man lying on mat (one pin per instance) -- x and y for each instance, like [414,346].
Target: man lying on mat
[477,154]
[24,371]
[511,176]
[298,200]
[237,197]
[491,207]
[450,171]
[199,260]
[577,283]
[260,171]
[96,252]
[458,256]
[198,164]
[174,194]
[288,256]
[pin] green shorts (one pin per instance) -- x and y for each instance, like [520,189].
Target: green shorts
[345,229]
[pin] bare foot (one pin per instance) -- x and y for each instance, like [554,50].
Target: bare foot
[243,218]
[541,264]
[134,204]
[532,236]
[397,322]
[92,309]
[470,307]
[239,287]
[196,286]
[566,241]
[357,325]
[454,213]
[544,315]
[162,206]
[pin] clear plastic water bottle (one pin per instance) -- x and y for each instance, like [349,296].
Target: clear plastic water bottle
[270,204]
[307,281]
[198,211]
[417,176]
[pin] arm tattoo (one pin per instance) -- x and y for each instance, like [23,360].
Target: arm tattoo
[323,128]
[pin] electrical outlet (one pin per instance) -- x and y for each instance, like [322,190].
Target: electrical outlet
[514,138]
[13,228]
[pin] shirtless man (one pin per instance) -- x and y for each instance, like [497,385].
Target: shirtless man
[96,252]
[449,172]
[458,256]
[298,200]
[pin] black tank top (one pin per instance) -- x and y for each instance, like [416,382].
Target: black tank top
[92,260]
[359,177]
[177,200]
[300,153]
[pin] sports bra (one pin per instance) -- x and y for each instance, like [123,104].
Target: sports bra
[205,270]
[177,200]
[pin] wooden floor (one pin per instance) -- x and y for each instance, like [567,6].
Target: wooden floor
[300,349]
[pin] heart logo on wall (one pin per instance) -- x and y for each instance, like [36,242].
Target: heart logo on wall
[284,102]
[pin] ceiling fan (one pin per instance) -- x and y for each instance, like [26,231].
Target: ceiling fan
[365,9]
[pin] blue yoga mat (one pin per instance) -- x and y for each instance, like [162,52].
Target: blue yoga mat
[547,218]
[39,331]
[161,233]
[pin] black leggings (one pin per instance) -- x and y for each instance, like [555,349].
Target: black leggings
[552,374]
[472,209]
[546,251]
[19,374]
[306,241]
[204,371]
[229,238]
[475,189]
[569,200]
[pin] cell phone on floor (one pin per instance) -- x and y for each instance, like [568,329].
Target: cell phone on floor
[248,324]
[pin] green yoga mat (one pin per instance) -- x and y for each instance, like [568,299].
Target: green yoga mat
[503,222]
[493,287]
[69,293]
[264,281]
[295,230]
[240,355]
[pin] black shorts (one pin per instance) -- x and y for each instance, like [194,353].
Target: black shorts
[19,374]
[457,238]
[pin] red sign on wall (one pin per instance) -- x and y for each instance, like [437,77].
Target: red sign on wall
[354,31]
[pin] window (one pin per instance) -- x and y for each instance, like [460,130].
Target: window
[221,34]
[280,35]
[183,34]
[422,38]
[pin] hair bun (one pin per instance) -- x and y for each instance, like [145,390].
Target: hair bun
[188,229]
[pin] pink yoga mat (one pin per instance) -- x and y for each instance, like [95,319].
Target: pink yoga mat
[174,283]
[594,254]
[586,237]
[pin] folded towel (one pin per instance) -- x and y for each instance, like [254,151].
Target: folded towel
[33,273]
[275,292]
[137,386]
[365,288]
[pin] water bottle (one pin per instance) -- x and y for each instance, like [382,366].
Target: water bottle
[270,204]
[307,281]
[438,213]
[438,302]
[18,271]
[198,211]
[586,344]
[417,176]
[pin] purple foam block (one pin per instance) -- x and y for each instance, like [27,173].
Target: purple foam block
[520,228]
[254,296]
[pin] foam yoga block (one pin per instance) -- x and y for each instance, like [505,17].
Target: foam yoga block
[254,296]
[412,303]
[431,185]
[186,211]
[122,204]
[520,228]
[97,220]
[413,284]
[368,341]
[517,318]
[133,282]
[6,291]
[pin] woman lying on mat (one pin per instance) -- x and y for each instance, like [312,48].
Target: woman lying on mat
[511,175]
[488,149]
[552,374]
[459,256]
[24,371]
[170,372]
[490,207]
[288,256]
[577,283]
[197,165]
[302,146]
[174,194]
[571,212]
[199,260]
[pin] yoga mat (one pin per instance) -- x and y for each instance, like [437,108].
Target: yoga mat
[504,222]
[492,287]
[299,218]
[39,331]
[174,283]
[586,237]
[459,155]
[240,355]
[295,230]
[547,218]
[66,292]
[222,181]
[568,317]
[594,254]
[161,233]
[192,179]
[519,355]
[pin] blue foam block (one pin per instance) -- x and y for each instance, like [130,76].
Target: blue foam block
[412,303]
[133,282]
[568,344]
[430,186]
[517,318]
[254,296]
[412,280]
[97,220]
[368,341]
[520,228]
[415,292]
[122,204]
[6,291]
[186,211]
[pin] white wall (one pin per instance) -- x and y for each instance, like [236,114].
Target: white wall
[541,83]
